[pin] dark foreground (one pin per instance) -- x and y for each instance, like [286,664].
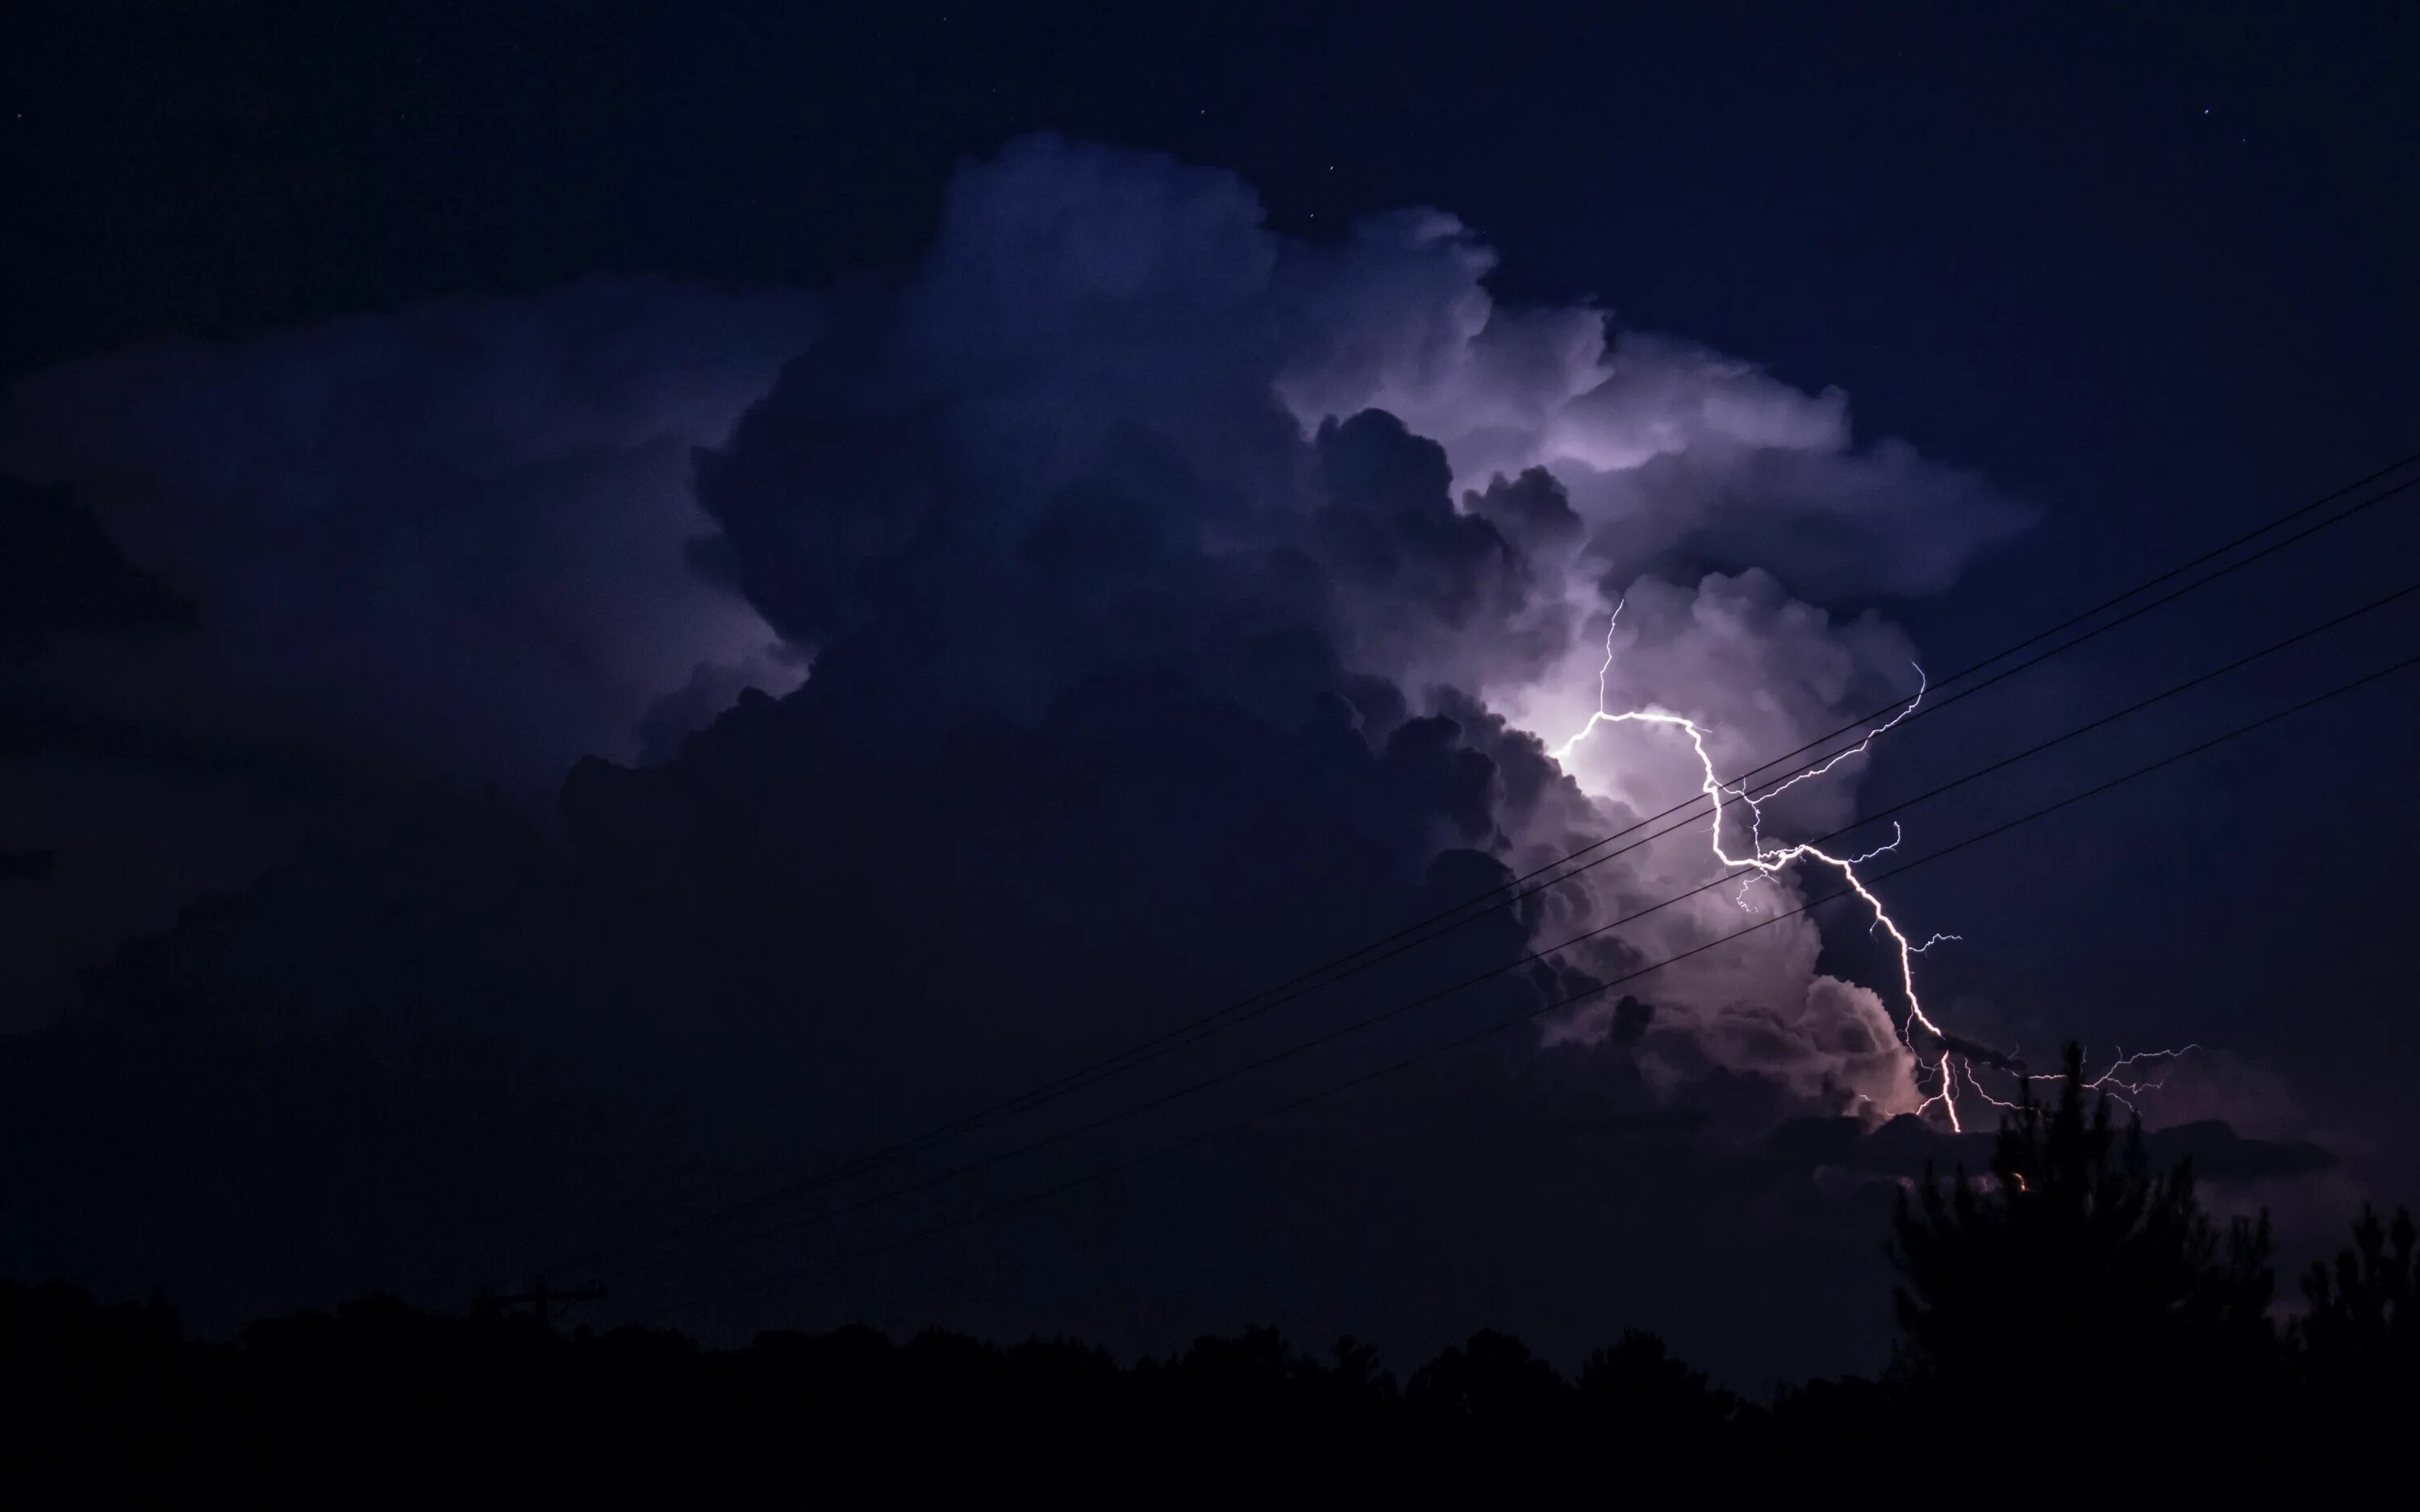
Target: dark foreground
[2073,1331]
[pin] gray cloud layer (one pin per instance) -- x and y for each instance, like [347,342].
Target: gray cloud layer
[450,539]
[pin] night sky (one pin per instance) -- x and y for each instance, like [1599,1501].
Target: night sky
[1165,478]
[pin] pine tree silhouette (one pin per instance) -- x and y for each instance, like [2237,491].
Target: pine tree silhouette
[2077,1294]
[2357,1346]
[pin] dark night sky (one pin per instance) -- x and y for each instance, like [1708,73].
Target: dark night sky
[2145,272]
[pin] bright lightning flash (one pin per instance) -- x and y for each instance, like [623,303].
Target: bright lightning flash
[1762,859]
[2122,1082]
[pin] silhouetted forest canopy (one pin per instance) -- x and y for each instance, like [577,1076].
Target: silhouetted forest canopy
[2072,1328]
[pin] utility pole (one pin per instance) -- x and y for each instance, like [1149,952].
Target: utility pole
[545,1303]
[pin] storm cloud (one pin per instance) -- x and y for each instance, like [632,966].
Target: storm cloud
[448,541]
[1113,426]
[1176,605]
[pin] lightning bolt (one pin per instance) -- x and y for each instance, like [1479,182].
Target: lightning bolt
[2120,1074]
[1942,1076]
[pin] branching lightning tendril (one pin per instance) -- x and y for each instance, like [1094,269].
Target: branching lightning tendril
[1940,1076]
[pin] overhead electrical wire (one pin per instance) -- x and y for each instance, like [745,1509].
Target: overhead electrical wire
[1331,1036]
[1533,1014]
[1516,889]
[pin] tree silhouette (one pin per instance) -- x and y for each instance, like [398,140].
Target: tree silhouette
[2077,1292]
[1658,1426]
[1640,1383]
[2072,1328]
[2358,1348]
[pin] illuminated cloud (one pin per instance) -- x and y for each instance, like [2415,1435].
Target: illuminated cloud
[1668,451]
[1113,424]
[448,539]
[1186,604]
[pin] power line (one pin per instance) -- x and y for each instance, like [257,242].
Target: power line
[1530,1016]
[1331,1036]
[1510,893]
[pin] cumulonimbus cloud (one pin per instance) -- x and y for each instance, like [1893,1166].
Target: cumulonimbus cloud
[1112,422]
[1118,492]
[1185,604]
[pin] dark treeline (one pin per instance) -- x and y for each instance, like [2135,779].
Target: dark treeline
[2072,1328]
